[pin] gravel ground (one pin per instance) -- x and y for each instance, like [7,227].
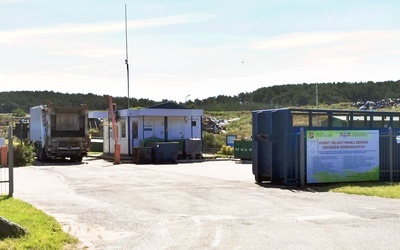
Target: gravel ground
[204,205]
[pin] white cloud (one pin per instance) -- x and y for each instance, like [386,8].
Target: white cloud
[92,51]
[313,39]
[166,63]
[331,49]
[12,1]
[74,29]
[297,40]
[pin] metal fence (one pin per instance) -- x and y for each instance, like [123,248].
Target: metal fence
[293,169]
[279,140]
[7,169]
[207,150]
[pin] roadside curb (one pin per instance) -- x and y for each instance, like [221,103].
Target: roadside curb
[128,159]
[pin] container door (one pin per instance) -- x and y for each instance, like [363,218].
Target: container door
[262,146]
[175,130]
[148,129]
[135,133]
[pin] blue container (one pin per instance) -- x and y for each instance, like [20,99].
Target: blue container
[269,149]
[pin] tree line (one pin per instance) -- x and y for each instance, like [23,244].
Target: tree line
[294,95]
[24,100]
[300,95]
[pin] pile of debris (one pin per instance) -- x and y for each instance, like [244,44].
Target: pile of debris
[215,126]
[378,104]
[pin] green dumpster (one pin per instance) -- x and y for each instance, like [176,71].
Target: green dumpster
[96,145]
[243,149]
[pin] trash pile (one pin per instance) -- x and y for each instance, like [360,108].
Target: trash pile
[379,104]
[215,126]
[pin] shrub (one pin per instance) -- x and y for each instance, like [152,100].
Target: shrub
[24,154]
[18,112]
[226,150]
[95,133]
[212,141]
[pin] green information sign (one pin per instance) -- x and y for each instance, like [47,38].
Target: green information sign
[342,156]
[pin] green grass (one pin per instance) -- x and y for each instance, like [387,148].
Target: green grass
[44,231]
[242,127]
[93,153]
[379,189]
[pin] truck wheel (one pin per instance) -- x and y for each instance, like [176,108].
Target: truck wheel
[76,158]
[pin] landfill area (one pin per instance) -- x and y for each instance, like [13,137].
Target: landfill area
[200,205]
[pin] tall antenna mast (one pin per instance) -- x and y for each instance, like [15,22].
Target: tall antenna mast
[126,50]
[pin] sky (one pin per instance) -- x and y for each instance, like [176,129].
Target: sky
[184,50]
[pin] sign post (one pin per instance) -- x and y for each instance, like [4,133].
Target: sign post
[10,162]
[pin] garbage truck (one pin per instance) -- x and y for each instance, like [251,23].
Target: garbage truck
[59,132]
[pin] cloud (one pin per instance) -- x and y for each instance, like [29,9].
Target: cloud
[11,1]
[85,50]
[334,49]
[73,29]
[296,40]
[313,39]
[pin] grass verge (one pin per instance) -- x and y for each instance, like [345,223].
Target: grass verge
[379,189]
[44,231]
[93,153]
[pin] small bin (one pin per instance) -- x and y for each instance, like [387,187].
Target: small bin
[193,148]
[181,144]
[135,155]
[144,155]
[96,145]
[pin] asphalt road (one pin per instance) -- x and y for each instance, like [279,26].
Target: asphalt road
[208,205]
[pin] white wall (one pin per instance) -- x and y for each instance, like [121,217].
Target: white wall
[194,131]
[176,128]
[36,127]
[151,127]
[123,141]
[109,142]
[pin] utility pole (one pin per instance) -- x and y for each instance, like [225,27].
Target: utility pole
[127,77]
[126,50]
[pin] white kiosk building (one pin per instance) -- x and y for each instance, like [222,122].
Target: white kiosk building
[164,122]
